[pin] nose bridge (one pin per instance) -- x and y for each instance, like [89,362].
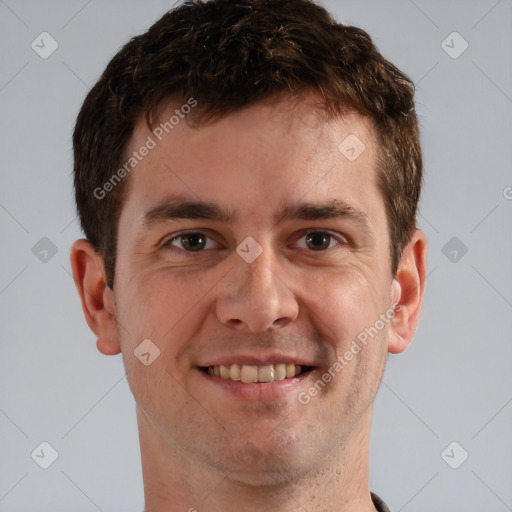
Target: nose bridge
[255,275]
[259,274]
[254,295]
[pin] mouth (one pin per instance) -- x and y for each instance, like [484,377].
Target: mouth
[254,374]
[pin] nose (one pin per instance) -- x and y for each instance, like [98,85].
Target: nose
[254,297]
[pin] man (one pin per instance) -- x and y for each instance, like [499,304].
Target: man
[247,176]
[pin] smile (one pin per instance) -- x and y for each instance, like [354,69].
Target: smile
[257,374]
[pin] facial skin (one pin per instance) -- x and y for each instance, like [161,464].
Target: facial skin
[207,447]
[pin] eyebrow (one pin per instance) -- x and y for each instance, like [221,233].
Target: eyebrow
[175,209]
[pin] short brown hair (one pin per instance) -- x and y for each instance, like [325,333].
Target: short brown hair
[228,54]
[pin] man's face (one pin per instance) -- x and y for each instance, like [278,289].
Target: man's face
[299,290]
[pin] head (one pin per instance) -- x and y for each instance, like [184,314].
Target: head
[227,55]
[255,109]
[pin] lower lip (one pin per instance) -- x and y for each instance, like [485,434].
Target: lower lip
[259,392]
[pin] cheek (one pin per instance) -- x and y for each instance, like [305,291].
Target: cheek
[155,304]
[342,302]
[155,309]
[169,309]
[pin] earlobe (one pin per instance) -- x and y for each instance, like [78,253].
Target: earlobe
[407,292]
[97,299]
[107,347]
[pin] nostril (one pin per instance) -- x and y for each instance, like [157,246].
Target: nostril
[281,322]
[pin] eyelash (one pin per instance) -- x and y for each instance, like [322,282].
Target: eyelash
[181,234]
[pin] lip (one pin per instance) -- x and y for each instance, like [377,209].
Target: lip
[259,392]
[262,360]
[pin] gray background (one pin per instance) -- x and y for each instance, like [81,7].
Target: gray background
[454,382]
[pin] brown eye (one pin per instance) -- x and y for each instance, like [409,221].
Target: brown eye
[318,241]
[193,241]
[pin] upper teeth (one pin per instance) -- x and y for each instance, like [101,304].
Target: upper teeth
[249,373]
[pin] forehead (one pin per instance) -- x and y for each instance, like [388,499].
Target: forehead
[257,160]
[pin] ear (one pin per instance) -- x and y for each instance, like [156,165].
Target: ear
[407,294]
[97,299]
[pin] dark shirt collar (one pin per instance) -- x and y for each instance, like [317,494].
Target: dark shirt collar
[379,504]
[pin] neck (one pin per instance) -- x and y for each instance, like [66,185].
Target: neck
[174,482]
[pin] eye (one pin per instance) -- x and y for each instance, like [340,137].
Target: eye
[318,240]
[193,241]
[196,241]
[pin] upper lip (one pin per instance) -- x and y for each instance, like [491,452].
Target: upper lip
[255,360]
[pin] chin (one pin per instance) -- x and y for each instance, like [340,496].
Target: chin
[267,466]
[266,476]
